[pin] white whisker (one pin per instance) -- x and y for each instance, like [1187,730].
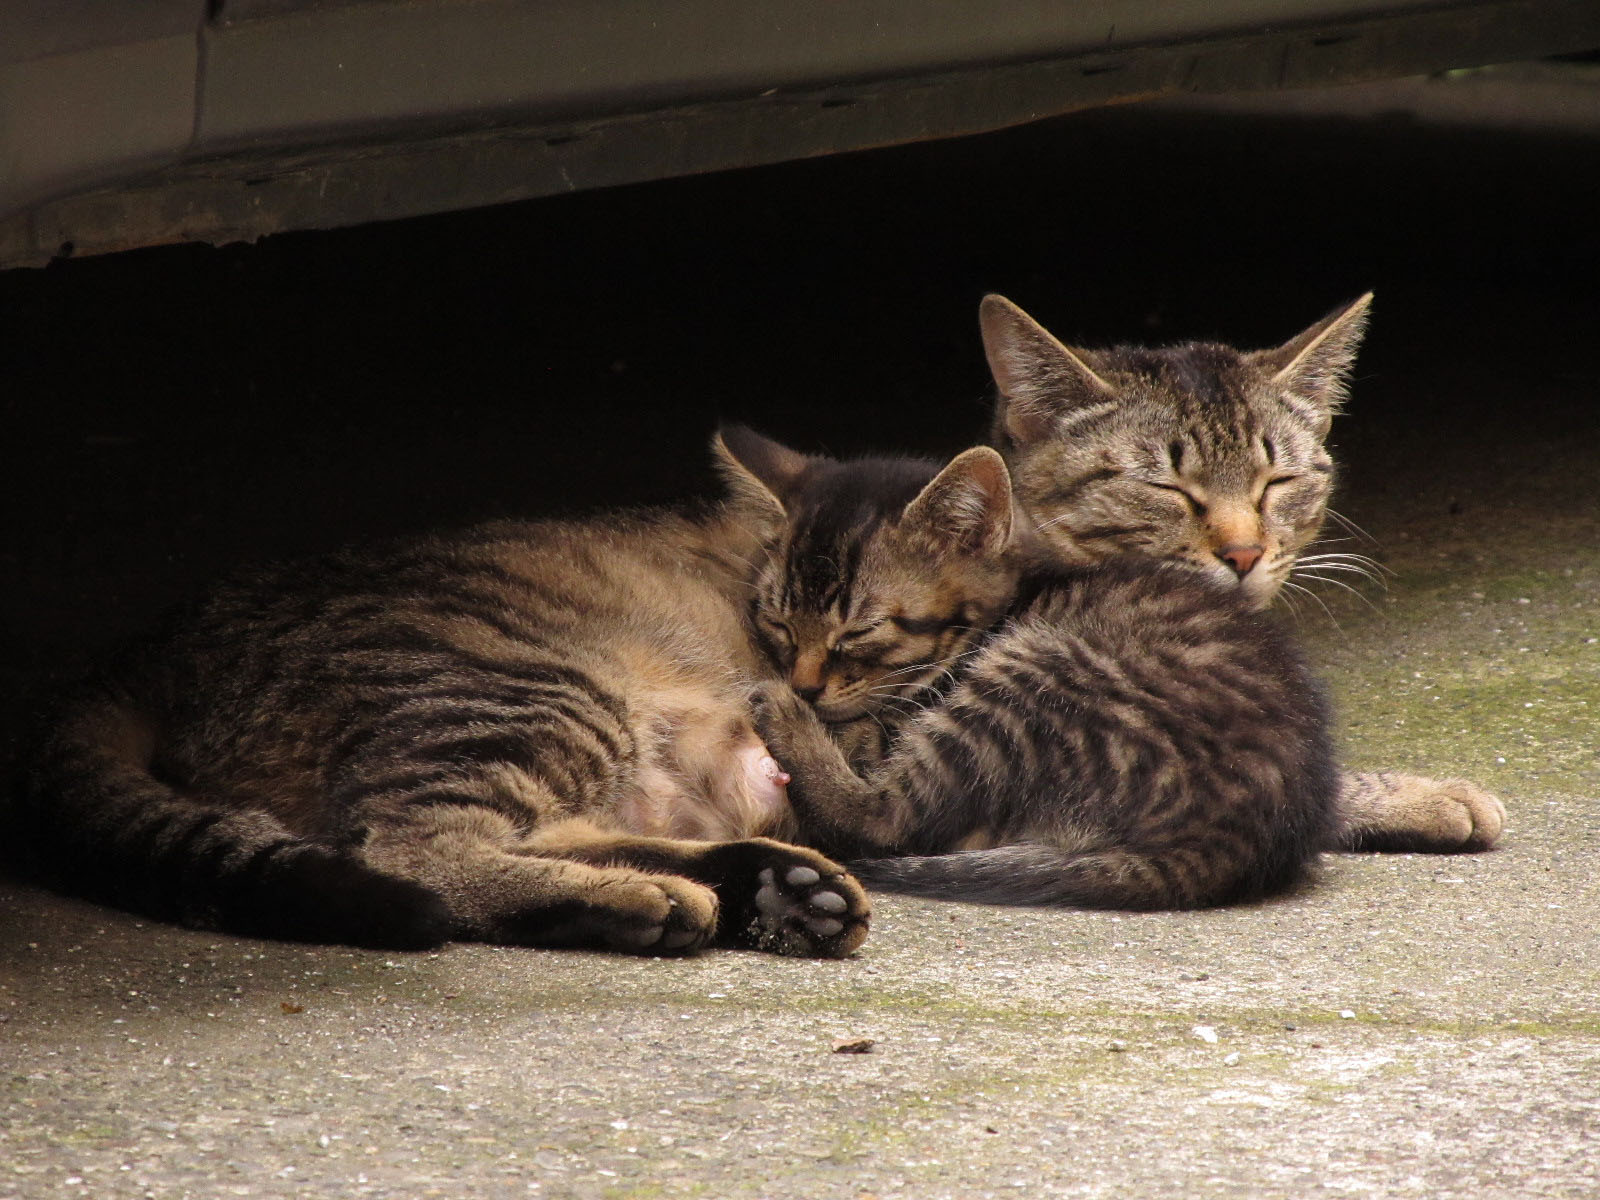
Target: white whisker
[1053,521]
[1351,525]
[1360,560]
[1309,566]
[1328,612]
[1338,583]
[921,666]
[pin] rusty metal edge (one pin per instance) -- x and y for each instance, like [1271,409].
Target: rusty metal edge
[246,197]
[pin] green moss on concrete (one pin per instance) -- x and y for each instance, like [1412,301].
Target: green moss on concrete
[1485,669]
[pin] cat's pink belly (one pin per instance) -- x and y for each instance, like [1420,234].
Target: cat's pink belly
[765,782]
[712,789]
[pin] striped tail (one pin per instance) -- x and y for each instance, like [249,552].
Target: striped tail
[92,820]
[1031,873]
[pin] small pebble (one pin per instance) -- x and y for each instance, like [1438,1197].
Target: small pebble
[854,1045]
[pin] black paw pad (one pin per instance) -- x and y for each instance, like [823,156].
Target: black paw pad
[801,911]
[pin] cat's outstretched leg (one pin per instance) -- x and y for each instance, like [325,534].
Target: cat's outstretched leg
[514,866]
[501,889]
[1399,813]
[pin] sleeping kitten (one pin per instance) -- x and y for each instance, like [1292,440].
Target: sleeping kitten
[1211,457]
[523,733]
[1128,735]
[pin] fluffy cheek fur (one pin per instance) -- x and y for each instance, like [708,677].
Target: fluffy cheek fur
[1291,522]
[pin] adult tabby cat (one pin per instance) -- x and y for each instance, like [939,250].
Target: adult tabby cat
[529,733]
[1213,457]
[1126,735]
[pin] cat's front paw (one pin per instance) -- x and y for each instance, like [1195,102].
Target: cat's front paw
[806,905]
[1392,811]
[1467,818]
[784,721]
[775,707]
[635,921]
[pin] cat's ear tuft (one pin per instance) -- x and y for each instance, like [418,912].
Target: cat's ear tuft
[967,506]
[1038,378]
[761,474]
[1312,370]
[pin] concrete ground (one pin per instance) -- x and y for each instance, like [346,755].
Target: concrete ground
[1408,1026]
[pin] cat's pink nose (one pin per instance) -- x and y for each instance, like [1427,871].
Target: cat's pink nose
[1240,558]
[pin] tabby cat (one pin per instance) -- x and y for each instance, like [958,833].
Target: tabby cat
[1126,735]
[1215,458]
[531,733]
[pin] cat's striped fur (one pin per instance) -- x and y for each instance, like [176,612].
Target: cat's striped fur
[524,733]
[1126,735]
[1213,457]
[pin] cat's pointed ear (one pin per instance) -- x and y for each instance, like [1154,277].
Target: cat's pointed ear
[1312,370]
[761,474]
[1038,378]
[967,506]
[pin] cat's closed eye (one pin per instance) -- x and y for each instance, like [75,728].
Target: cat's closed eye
[778,634]
[922,625]
[1277,482]
[855,637]
[1196,505]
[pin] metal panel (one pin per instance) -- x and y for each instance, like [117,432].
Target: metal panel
[358,112]
[41,28]
[93,115]
[359,70]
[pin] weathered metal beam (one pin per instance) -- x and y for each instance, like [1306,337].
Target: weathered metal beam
[375,168]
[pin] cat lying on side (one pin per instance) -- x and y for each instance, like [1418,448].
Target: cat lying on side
[531,733]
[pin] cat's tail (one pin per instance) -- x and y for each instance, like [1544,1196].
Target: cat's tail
[90,817]
[1034,873]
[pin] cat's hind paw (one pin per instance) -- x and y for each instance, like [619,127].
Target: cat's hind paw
[807,906]
[654,915]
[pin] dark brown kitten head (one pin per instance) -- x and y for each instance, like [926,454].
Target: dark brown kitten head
[882,571]
[1197,453]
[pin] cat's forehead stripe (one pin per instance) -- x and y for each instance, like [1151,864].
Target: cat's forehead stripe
[822,568]
[1196,379]
[835,520]
[1198,372]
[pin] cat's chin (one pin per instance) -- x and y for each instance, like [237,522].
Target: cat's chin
[1259,596]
